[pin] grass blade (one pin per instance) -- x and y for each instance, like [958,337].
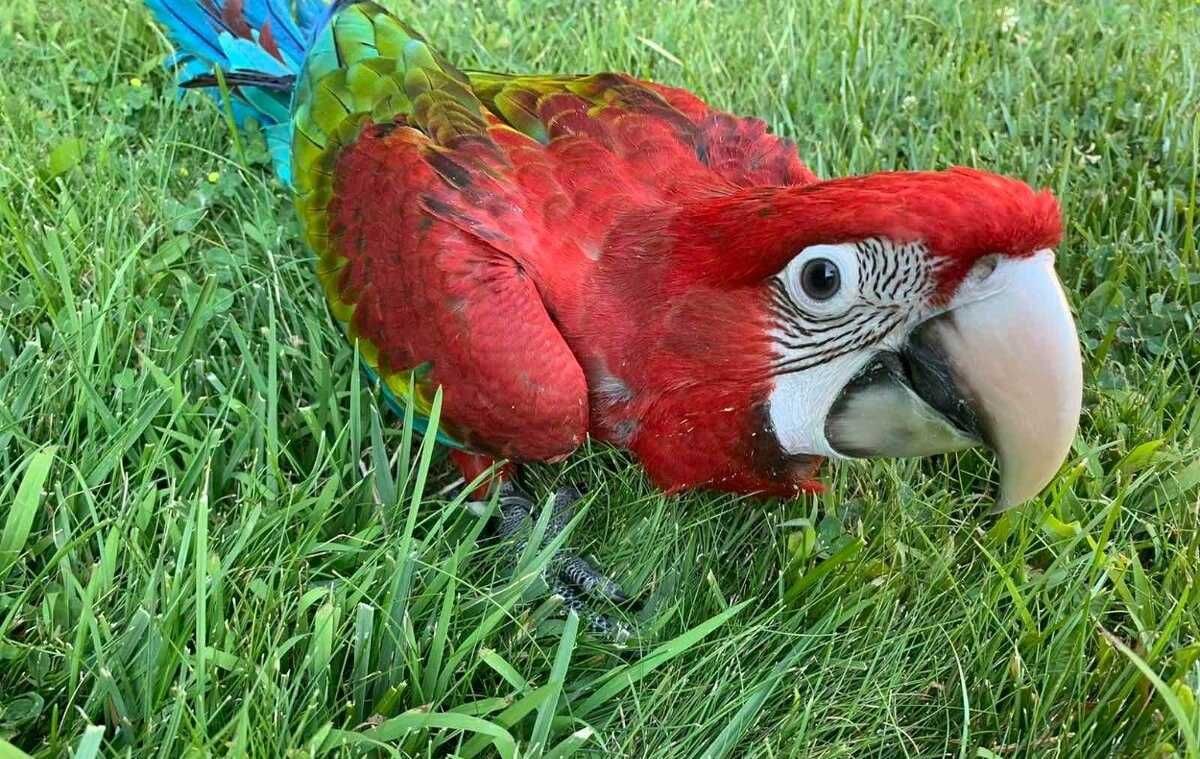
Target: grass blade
[89,744]
[385,486]
[558,675]
[1178,711]
[507,718]
[24,508]
[570,744]
[321,647]
[364,627]
[437,646]
[9,751]
[839,557]
[397,727]
[501,666]
[625,676]
[200,558]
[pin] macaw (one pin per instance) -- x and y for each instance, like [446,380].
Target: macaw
[575,256]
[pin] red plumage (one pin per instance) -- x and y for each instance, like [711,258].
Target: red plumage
[960,214]
[611,279]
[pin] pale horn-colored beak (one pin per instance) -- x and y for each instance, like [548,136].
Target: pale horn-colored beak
[1000,366]
[1015,354]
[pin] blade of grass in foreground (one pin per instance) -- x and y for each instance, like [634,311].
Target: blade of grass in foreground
[570,744]
[558,675]
[626,675]
[507,718]
[397,727]
[9,751]
[24,508]
[89,744]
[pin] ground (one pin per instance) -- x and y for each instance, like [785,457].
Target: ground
[213,541]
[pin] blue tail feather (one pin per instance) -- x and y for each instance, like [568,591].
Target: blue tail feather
[189,26]
[283,22]
[259,46]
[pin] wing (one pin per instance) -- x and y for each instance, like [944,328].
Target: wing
[424,293]
[449,212]
[428,303]
[737,150]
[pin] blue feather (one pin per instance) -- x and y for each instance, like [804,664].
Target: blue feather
[309,13]
[189,26]
[206,42]
[245,55]
[291,40]
[420,424]
[279,142]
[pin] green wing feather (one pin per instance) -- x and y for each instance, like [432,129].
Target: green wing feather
[514,98]
[367,67]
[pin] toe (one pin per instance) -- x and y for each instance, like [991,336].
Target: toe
[563,509]
[578,572]
[598,624]
[515,510]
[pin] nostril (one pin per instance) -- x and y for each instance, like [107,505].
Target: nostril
[984,267]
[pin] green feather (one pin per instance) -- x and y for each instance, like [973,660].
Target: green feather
[368,67]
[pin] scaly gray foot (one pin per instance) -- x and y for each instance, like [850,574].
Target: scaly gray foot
[569,576]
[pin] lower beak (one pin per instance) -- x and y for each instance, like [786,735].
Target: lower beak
[1002,369]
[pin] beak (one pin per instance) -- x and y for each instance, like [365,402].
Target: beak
[1000,368]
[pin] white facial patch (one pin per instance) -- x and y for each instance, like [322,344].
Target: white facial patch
[800,401]
[823,343]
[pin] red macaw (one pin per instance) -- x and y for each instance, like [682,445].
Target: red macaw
[574,256]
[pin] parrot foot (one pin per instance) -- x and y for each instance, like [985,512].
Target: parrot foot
[569,576]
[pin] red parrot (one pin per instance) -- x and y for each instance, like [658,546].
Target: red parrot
[575,256]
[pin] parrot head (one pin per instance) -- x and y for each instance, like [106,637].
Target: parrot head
[906,314]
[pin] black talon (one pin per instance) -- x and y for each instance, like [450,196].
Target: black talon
[584,576]
[568,575]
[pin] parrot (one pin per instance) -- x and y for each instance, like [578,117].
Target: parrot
[602,257]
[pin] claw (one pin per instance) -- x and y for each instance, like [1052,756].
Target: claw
[515,509]
[563,509]
[587,578]
[599,624]
[568,575]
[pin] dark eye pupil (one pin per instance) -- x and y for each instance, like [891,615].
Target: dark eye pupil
[820,279]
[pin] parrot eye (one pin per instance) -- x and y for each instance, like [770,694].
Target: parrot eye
[820,279]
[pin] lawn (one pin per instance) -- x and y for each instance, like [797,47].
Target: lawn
[213,540]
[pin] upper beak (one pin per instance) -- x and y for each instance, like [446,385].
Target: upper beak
[1001,367]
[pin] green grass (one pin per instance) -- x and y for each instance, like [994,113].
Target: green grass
[212,542]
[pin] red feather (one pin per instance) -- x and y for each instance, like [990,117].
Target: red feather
[961,214]
[235,19]
[266,40]
[427,291]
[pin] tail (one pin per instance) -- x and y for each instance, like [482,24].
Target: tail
[256,47]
